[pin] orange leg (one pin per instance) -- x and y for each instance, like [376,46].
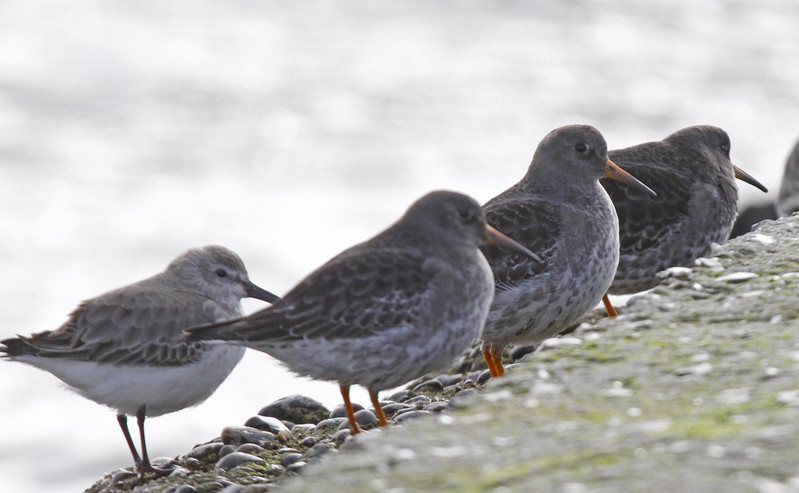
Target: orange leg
[381,416]
[611,311]
[345,393]
[493,356]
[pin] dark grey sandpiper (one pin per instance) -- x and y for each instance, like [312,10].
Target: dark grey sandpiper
[559,211]
[122,348]
[386,311]
[696,204]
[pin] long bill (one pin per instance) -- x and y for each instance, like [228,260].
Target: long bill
[746,177]
[497,239]
[256,292]
[615,173]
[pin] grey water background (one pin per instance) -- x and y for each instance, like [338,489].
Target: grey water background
[287,131]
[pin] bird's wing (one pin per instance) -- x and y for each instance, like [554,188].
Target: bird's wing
[352,296]
[128,326]
[534,224]
[641,217]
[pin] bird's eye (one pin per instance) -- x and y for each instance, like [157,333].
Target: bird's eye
[221,272]
[724,147]
[466,215]
[580,147]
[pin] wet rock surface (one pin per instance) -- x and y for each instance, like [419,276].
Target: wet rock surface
[695,386]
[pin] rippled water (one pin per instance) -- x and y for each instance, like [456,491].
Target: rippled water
[131,131]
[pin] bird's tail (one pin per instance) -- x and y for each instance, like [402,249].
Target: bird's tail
[17,346]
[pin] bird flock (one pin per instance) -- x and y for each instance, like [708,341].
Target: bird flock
[532,261]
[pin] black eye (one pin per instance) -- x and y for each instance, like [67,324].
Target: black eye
[724,147]
[221,272]
[466,215]
[580,147]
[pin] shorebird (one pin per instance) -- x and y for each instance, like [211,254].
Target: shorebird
[122,348]
[696,204]
[560,211]
[386,311]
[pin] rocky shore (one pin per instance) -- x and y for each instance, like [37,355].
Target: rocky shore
[694,387]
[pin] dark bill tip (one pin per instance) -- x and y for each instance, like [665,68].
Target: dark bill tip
[254,291]
[497,239]
[746,177]
[615,173]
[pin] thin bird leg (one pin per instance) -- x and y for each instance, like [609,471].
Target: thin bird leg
[345,393]
[611,311]
[493,356]
[381,416]
[123,423]
[145,466]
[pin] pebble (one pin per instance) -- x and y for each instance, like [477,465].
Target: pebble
[270,424]
[419,401]
[275,470]
[237,435]
[296,466]
[365,418]
[340,435]
[402,396]
[226,449]
[206,451]
[411,415]
[737,277]
[249,448]
[302,429]
[429,386]
[436,407]
[308,442]
[320,449]
[297,409]
[340,412]
[329,424]
[290,458]
[235,459]
[393,408]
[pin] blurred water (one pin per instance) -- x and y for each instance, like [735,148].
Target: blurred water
[131,131]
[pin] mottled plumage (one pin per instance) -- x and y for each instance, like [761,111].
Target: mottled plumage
[696,204]
[559,211]
[122,348]
[386,311]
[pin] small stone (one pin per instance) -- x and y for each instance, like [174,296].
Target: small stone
[328,425]
[401,418]
[289,459]
[226,449]
[402,396]
[270,424]
[432,386]
[179,471]
[483,377]
[249,448]
[340,436]
[308,442]
[446,379]
[419,401]
[122,475]
[186,489]
[297,409]
[302,429]
[275,470]
[737,277]
[711,263]
[234,459]
[436,407]
[462,397]
[394,407]
[340,412]
[233,488]
[211,486]
[700,369]
[520,352]
[319,450]
[296,466]
[675,272]
[365,418]
[237,435]
[206,451]
[788,397]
